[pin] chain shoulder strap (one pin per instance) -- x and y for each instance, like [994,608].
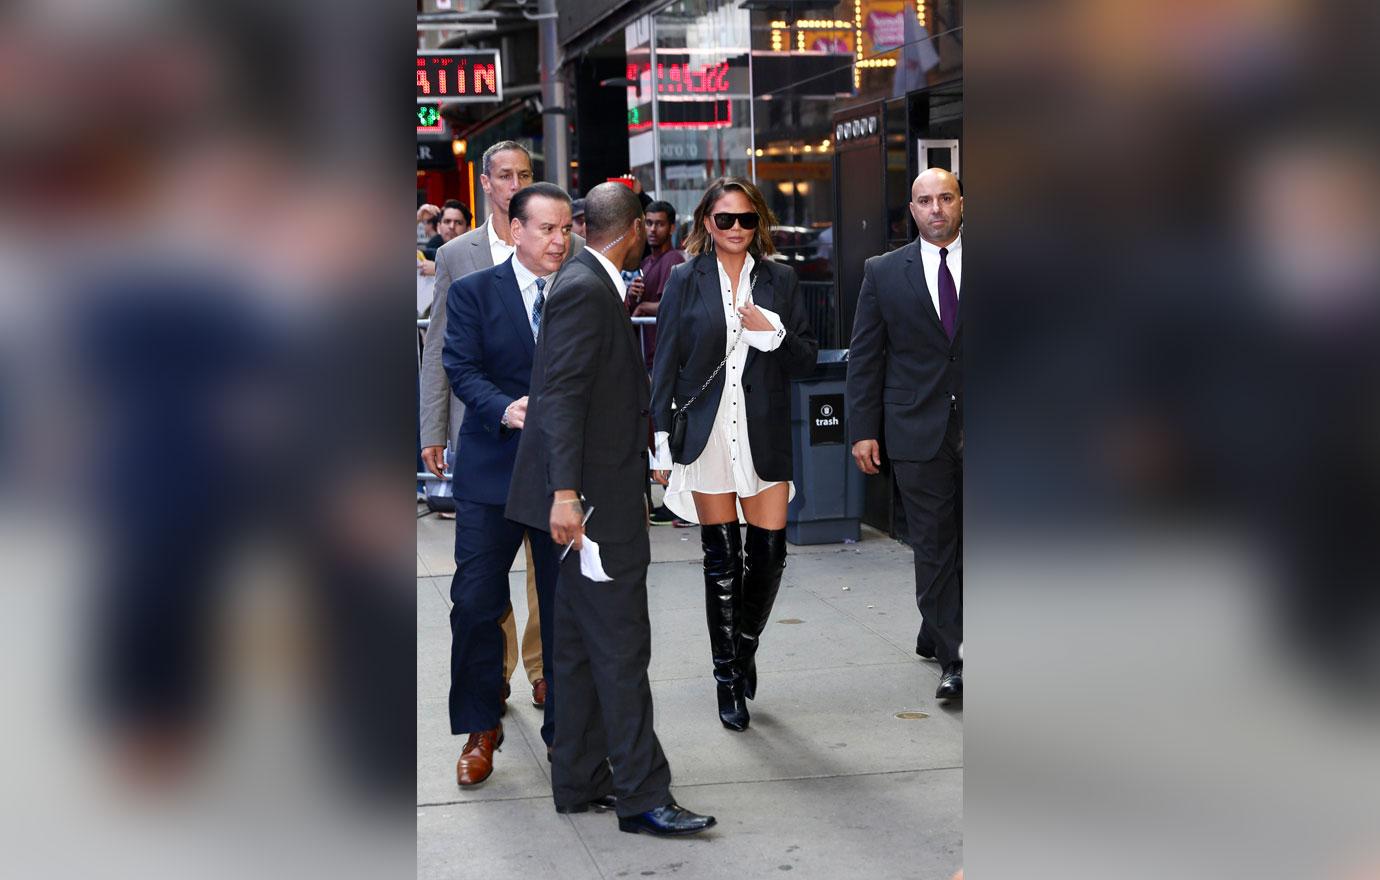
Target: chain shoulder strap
[752,286]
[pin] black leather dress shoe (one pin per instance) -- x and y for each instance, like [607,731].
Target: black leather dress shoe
[951,685]
[924,648]
[598,805]
[671,820]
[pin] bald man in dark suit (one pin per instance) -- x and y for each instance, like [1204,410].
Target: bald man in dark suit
[905,384]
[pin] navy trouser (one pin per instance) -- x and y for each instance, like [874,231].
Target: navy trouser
[486,543]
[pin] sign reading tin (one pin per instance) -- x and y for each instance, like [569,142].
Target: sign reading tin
[459,75]
[826,419]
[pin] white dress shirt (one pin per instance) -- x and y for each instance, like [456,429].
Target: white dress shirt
[929,258]
[499,249]
[618,283]
[725,465]
[527,284]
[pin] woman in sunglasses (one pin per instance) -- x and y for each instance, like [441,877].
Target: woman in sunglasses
[731,334]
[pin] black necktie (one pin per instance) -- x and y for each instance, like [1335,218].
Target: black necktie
[948,294]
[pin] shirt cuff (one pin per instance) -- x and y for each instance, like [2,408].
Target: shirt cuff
[661,457]
[766,340]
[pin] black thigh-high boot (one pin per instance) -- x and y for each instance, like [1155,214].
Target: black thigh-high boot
[723,597]
[764,559]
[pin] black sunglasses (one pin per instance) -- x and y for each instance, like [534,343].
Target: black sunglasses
[724,220]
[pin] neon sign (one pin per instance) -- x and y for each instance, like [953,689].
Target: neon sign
[704,114]
[678,78]
[468,75]
[429,119]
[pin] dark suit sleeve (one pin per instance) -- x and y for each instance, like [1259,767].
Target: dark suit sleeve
[668,335]
[575,327]
[866,363]
[799,349]
[463,356]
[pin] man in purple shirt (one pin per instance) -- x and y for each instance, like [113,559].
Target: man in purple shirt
[644,293]
[644,297]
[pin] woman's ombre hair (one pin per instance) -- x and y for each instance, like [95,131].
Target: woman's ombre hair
[700,242]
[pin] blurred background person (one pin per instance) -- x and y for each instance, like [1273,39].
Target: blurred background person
[222,636]
[427,216]
[644,298]
[578,217]
[453,222]
[733,333]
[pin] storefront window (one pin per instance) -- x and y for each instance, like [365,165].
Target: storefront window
[725,87]
[690,112]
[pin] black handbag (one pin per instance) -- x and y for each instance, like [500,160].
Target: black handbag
[677,438]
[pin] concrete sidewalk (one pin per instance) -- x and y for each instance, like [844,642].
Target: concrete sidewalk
[849,769]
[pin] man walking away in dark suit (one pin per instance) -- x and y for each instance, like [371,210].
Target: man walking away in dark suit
[584,451]
[493,318]
[905,385]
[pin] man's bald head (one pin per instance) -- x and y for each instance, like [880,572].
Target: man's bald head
[936,204]
[613,224]
[610,208]
[936,176]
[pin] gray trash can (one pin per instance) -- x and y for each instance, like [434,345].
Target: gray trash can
[828,503]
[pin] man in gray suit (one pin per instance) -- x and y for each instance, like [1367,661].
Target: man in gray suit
[507,168]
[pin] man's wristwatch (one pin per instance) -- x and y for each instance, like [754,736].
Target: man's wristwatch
[504,421]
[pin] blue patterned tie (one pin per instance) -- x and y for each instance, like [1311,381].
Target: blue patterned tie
[536,307]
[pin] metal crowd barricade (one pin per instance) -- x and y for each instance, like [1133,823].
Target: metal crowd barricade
[642,323]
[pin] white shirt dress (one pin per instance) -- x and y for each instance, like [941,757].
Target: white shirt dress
[725,465]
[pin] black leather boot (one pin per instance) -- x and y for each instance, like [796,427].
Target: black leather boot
[764,559]
[723,591]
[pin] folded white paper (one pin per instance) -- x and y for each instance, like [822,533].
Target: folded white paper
[590,566]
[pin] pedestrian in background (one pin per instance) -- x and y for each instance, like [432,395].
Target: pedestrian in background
[644,299]
[577,208]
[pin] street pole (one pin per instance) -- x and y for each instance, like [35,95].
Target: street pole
[553,120]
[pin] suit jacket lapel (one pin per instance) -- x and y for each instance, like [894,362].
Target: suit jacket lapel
[915,274]
[707,267]
[507,291]
[483,257]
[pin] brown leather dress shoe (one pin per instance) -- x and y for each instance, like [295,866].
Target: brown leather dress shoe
[477,759]
[539,693]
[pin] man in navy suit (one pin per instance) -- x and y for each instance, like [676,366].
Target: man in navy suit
[905,389]
[493,318]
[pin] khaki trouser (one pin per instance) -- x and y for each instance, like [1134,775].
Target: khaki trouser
[531,633]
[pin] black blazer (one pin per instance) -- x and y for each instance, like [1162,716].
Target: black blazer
[691,341]
[904,374]
[586,426]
